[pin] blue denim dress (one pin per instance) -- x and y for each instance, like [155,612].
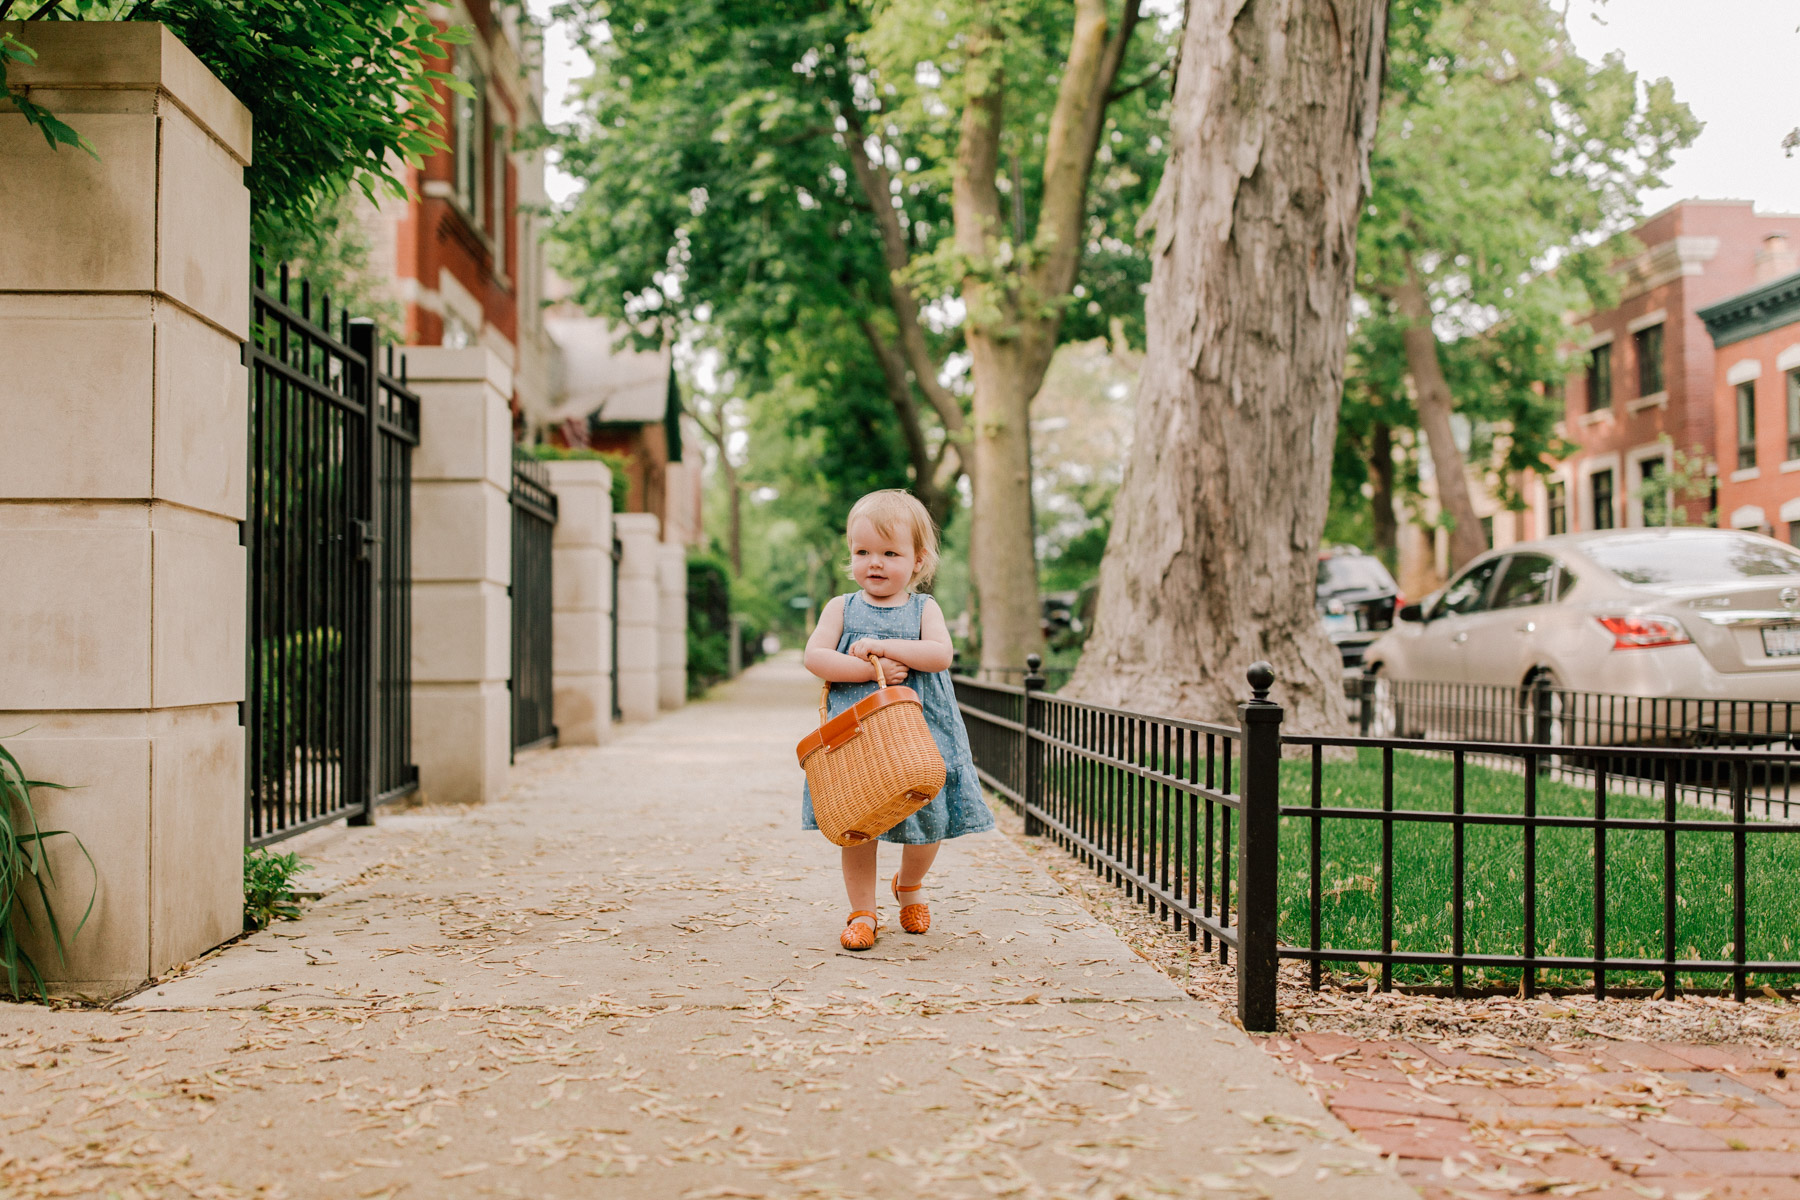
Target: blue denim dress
[958,808]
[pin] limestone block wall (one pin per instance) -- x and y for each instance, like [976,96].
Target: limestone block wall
[124,297]
[581,581]
[671,653]
[462,566]
[639,601]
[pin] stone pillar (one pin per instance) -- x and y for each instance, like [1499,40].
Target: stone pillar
[671,656]
[581,580]
[124,297]
[639,600]
[462,567]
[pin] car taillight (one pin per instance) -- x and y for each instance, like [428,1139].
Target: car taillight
[1638,633]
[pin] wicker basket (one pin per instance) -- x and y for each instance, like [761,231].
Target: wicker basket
[871,766]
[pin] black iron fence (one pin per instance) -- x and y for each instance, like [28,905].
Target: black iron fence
[533,683]
[1426,862]
[1625,726]
[618,552]
[327,715]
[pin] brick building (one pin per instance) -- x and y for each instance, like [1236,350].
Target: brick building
[1645,380]
[464,250]
[1756,397]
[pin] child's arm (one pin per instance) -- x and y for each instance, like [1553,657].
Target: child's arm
[932,652]
[822,657]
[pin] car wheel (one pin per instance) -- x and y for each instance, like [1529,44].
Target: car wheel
[1369,707]
[1382,715]
[1542,705]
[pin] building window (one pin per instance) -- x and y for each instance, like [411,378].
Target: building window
[470,132]
[1487,531]
[1653,491]
[1558,495]
[1649,360]
[1793,398]
[1746,424]
[1599,378]
[1602,483]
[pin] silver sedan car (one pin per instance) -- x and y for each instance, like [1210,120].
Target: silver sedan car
[1710,614]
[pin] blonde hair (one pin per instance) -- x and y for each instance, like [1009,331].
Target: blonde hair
[892,511]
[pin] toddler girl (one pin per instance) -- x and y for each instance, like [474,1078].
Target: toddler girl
[893,548]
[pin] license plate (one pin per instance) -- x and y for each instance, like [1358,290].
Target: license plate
[1346,623]
[1781,641]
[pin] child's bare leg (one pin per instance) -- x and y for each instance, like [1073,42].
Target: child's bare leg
[915,861]
[859,878]
[909,887]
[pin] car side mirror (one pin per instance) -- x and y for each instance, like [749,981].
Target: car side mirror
[1411,612]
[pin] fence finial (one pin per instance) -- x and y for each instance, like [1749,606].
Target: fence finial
[1262,678]
[1033,662]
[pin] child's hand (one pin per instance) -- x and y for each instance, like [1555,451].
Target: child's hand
[863,647]
[895,672]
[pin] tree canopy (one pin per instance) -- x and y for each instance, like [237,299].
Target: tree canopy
[340,91]
[753,170]
[1507,172]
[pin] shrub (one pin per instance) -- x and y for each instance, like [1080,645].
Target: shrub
[618,464]
[708,623]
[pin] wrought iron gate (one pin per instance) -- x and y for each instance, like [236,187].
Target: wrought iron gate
[327,714]
[533,527]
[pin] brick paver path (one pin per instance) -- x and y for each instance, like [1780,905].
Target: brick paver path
[1605,1119]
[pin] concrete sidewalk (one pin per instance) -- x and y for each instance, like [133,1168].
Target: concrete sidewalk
[624,980]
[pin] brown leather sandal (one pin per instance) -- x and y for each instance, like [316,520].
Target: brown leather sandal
[857,936]
[914,918]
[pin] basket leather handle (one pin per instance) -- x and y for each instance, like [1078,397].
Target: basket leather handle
[881,684]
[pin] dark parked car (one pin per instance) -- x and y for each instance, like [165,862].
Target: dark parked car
[1356,598]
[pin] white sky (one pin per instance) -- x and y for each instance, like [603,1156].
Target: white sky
[1733,62]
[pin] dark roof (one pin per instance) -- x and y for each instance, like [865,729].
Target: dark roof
[1764,307]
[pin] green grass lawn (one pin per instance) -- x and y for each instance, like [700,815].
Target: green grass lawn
[1350,851]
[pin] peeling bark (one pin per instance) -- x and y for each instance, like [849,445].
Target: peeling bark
[1212,559]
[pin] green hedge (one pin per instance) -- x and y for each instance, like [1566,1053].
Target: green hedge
[618,464]
[709,609]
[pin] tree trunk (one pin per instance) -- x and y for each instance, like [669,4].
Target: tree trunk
[719,435]
[1014,312]
[1212,560]
[1381,503]
[1435,403]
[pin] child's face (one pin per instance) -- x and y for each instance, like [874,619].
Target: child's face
[882,566]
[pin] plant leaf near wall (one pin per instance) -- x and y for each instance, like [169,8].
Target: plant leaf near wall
[339,93]
[25,869]
[269,887]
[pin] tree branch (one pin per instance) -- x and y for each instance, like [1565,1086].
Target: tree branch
[1148,78]
[899,390]
[872,177]
[1095,57]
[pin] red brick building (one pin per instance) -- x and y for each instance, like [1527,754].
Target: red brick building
[464,250]
[1756,398]
[1645,381]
